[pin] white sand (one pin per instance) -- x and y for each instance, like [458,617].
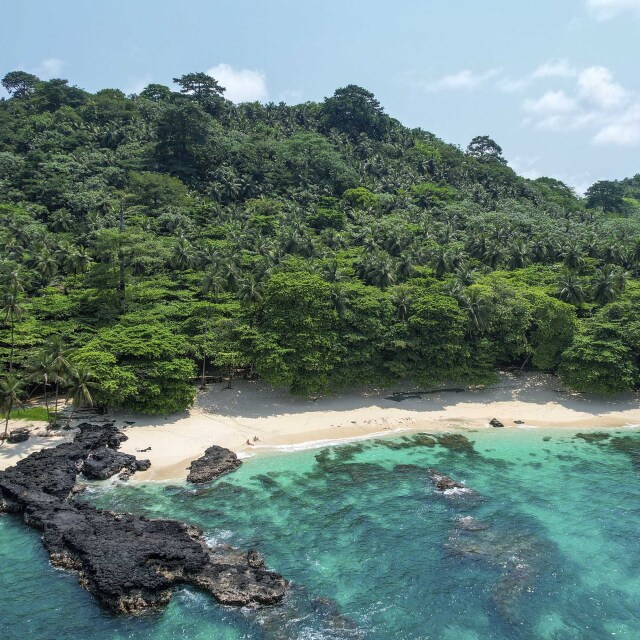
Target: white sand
[230,417]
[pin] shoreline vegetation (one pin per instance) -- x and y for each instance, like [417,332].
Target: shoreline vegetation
[232,417]
[158,239]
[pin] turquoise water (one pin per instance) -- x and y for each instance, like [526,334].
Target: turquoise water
[373,552]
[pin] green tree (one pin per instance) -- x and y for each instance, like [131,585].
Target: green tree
[11,394]
[12,310]
[20,84]
[354,110]
[607,195]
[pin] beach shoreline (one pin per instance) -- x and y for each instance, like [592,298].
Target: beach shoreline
[232,418]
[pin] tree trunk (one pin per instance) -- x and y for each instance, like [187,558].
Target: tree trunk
[46,399]
[55,411]
[6,424]
[12,344]
[229,369]
[203,384]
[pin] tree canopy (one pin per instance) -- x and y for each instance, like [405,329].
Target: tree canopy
[151,242]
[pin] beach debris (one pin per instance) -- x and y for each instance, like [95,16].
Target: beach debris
[399,396]
[18,435]
[494,422]
[215,462]
[143,450]
[130,563]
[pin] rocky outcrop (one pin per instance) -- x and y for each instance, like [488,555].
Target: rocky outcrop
[444,483]
[494,422]
[215,462]
[130,563]
[18,435]
[106,463]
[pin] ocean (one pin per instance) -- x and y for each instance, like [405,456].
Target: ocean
[544,545]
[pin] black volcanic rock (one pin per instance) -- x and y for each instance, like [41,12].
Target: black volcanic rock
[106,462]
[444,484]
[215,462]
[130,563]
[18,435]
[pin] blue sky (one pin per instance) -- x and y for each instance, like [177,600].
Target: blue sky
[555,82]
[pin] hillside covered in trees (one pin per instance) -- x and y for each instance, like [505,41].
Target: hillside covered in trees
[153,239]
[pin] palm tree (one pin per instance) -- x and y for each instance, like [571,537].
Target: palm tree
[477,307]
[249,291]
[402,300]
[570,290]
[572,256]
[606,284]
[78,260]
[11,309]
[182,255]
[519,254]
[213,282]
[41,370]
[81,382]
[11,393]
[339,298]
[56,352]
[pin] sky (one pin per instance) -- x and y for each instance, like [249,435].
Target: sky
[554,82]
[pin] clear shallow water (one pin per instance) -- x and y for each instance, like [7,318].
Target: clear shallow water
[374,552]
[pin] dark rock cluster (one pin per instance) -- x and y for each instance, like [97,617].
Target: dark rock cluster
[129,562]
[215,462]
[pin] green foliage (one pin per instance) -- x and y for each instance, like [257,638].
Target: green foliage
[361,198]
[319,245]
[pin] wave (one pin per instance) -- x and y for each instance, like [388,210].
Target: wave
[318,444]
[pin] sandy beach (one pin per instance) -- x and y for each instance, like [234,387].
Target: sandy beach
[230,417]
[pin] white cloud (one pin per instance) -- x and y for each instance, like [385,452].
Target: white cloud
[242,85]
[462,80]
[597,85]
[606,9]
[552,102]
[49,68]
[623,130]
[555,69]
[513,85]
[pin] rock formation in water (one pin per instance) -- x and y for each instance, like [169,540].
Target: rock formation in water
[215,462]
[130,563]
[444,483]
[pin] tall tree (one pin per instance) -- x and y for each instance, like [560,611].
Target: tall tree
[11,394]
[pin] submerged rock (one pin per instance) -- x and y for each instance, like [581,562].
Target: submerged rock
[597,436]
[215,462]
[469,523]
[456,442]
[130,563]
[445,484]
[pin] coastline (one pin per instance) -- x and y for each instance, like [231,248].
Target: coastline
[230,417]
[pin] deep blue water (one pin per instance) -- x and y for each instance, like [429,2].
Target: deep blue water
[374,552]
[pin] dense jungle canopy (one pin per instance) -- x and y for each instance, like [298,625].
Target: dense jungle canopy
[153,239]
